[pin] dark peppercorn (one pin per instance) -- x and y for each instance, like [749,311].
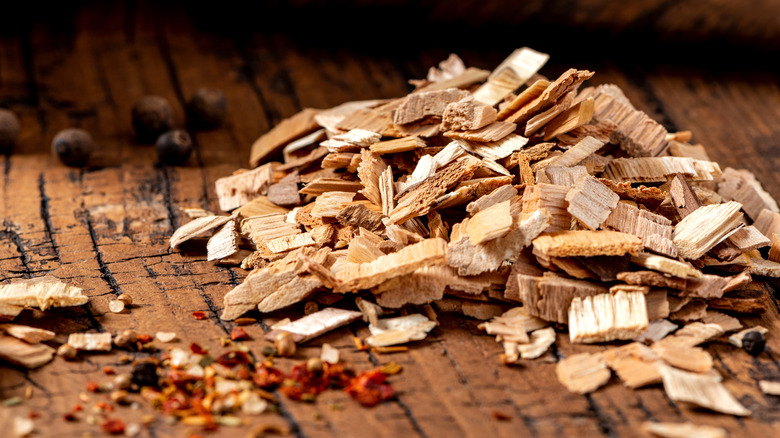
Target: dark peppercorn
[151,116]
[754,342]
[206,108]
[9,130]
[145,374]
[73,146]
[174,147]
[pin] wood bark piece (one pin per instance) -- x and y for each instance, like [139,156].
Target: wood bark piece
[572,118]
[315,324]
[489,224]
[607,317]
[427,104]
[705,390]
[490,133]
[400,330]
[565,83]
[659,169]
[90,341]
[31,335]
[701,230]
[578,152]
[496,150]
[351,141]
[583,373]
[591,202]
[42,292]
[244,185]
[366,275]
[552,199]
[513,72]
[224,242]
[467,114]
[586,243]
[418,201]
[683,430]
[21,353]
[635,364]
[743,187]
[284,132]
[196,227]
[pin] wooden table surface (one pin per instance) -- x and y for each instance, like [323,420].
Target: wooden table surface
[105,227]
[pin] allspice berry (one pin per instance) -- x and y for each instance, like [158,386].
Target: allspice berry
[67,352]
[207,108]
[73,146]
[174,147]
[754,342]
[9,130]
[151,116]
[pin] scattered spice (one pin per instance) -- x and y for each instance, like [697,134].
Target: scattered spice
[9,130]
[238,334]
[151,116]
[199,315]
[113,426]
[174,147]
[73,146]
[370,388]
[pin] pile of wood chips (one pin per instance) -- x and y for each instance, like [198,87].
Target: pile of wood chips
[527,202]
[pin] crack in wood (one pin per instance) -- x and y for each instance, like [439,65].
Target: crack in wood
[105,271]
[165,182]
[46,215]
[16,239]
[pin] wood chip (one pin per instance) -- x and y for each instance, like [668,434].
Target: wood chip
[351,141]
[426,104]
[583,373]
[540,342]
[90,341]
[705,390]
[286,131]
[23,354]
[578,152]
[165,337]
[496,150]
[769,387]
[513,72]
[243,186]
[489,224]
[224,242]
[586,243]
[467,115]
[400,330]
[31,335]
[635,364]
[658,169]
[315,324]
[591,202]
[683,430]
[656,330]
[743,187]
[42,292]
[693,359]
[329,354]
[606,317]
[701,230]
[570,119]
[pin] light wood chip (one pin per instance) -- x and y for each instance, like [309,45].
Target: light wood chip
[467,114]
[42,292]
[687,358]
[606,317]
[586,243]
[489,224]
[421,105]
[705,390]
[243,186]
[565,83]
[329,204]
[315,324]
[513,72]
[501,194]
[769,387]
[288,243]
[583,373]
[322,185]
[400,330]
[743,187]
[635,364]
[224,242]
[31,335]
[591,202]
[23,354]
[552,199]
[470,76]
[666,265]
[768,223]
[259,206]
[656,330]
[284,132]
[90,341]
[196,227]
[540,342]
[397,145]
[575,154]
[572,118]
[658,169]
[749,238]
[489,133]
[683,430]
[495,150]
[701,230]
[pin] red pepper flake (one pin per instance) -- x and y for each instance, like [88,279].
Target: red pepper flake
[92,386]
[197,349]
[238,334]
[105,407]
[113,426]
[233,358]
[109,371]
[370,388]
[78,408]
[199,315]
[500,416]
[70,416]
[145,339]
[267,377]
[33,415]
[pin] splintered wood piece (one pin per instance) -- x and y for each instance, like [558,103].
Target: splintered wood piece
[768,223]
[351,141]
[397,145]
[31,335]
[21,353]
[572,118]
[424,285]
[322,185]
[285,192]
[491,133]
[743,187]
[447,69]
[467,114]
[586,243]
[749,238]
[658,169]
[526,96]
[90,341]
[565,83]
[387,191]
[296,290]
[766,268]
[656,331]
[337,160]
[701,230]
[369,171]
[262,229]
[591,202]
[583,373]
[552,199]
[196,227]
[366,275]
[666,265]
[538,121]
[242,186]
[513,72]
[329,204]
[284,132]
[489,256]
[224,242]
[651,278]
[289,243]
[635,364]
[315,324]
[705,390]
[497,196]
[606,317]
[540,342]
[575,154]
[426,104]
[687,358]
[769,387]
[41,292]
[549,298]
[470,76]
[728,323]
[400,330]
[330,118]
[654,230]
[418,201]
[565,176]
[304,142]
[469,190]
[489,224]
[683,430]
[361,214]
[495,150]
[736,338]
[259,206]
